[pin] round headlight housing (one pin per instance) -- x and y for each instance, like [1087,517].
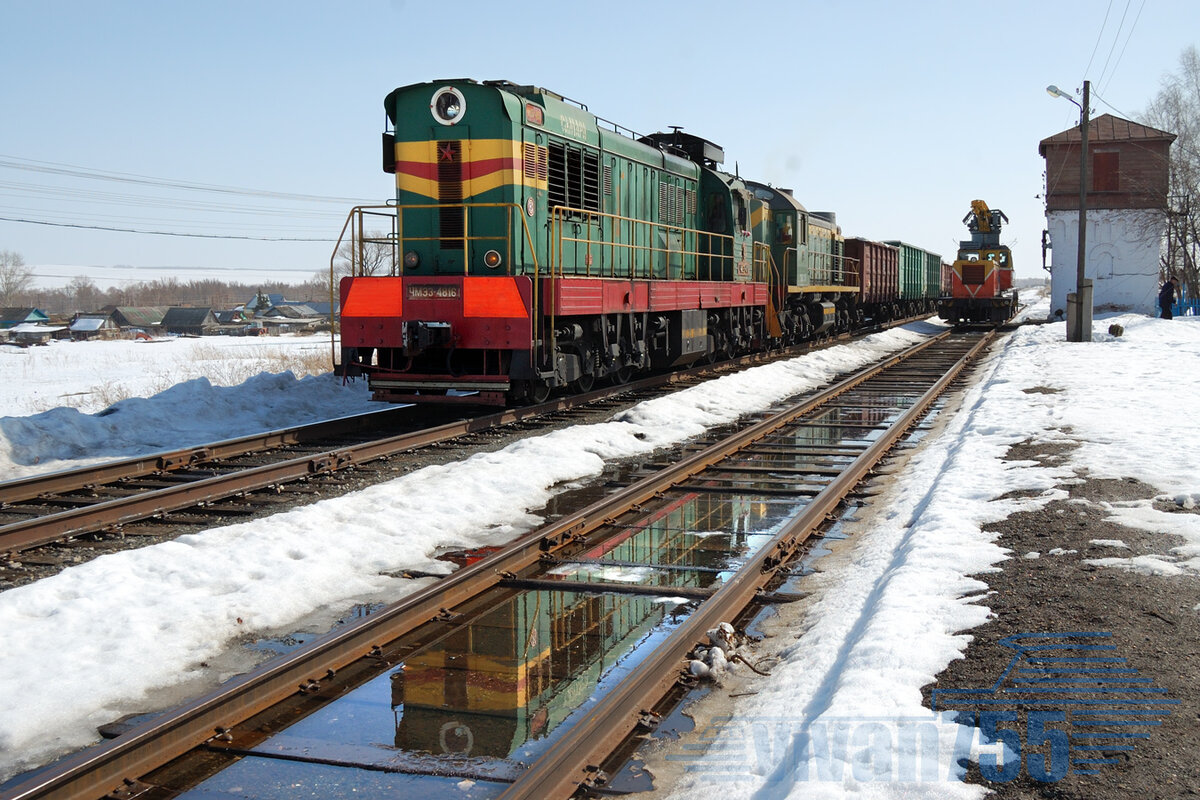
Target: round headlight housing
[448,105]
[491,259]
[412,259]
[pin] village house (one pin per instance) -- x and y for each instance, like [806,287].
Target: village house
[94,326]
[11,317]
[190,321]
[145,318]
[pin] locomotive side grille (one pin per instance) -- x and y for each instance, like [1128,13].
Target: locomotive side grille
[608,179]
[574,178]
[535,162]
[557,175]
[591,181]
[530,158]
[674,203]
[450,191]
[973,274]
[574,185]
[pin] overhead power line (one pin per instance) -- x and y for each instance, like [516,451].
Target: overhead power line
[70,170]
[1116,38]
[1099,37]
[164,233]
[1128,36]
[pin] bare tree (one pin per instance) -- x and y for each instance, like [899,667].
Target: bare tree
[85,293]
[1176,109]
[375,255]
[15,278]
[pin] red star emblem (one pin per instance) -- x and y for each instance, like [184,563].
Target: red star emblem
[445,152]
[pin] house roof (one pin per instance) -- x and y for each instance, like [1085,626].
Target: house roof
[293,311]
[94,323]
[1106,128]
[15,314]
[142,316]
[33,327]
[272,300]
[320,306]
[187,317]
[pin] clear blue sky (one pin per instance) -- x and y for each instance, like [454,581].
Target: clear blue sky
[894,115]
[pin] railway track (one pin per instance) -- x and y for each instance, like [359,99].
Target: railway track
[526,670]
[219,479]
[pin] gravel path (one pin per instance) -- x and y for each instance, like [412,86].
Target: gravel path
[1152,620]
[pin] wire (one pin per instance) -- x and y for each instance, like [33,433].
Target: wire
[1127,38]
[162,233]
[1115,38]
[1177,144]
[52,168]
[1099,36]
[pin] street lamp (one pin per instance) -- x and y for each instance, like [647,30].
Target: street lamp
[1079,308]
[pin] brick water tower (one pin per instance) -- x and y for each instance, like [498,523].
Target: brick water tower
[1126,212]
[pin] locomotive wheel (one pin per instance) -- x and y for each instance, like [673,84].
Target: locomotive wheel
[528,393]
[584,383]
[539,392]
[622,375]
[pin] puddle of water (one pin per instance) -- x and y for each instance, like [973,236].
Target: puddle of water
[461,716]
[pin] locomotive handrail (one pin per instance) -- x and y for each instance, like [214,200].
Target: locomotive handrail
[355,213]
[395,240]
[836,268]
[639,238]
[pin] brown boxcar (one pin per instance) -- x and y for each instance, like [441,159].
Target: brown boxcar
[878,270]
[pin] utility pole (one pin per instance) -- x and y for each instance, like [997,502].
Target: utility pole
[1079,326]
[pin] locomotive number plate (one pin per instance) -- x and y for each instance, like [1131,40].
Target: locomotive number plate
[432,291]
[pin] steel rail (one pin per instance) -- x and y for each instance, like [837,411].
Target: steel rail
[97,770]
[34,486]
[27,534]
[573,762]
[61,526]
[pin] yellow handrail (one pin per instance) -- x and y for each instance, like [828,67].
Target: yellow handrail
[634,252]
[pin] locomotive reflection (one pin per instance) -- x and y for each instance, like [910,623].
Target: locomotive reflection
[524,664]
[525,660]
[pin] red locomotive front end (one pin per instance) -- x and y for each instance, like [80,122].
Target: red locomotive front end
[434,333]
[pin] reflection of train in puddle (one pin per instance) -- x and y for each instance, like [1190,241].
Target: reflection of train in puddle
[529,659]
[524,660]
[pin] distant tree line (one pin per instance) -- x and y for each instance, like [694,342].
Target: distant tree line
[18,289]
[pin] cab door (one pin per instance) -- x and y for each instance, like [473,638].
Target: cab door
[743,238]
[533,203]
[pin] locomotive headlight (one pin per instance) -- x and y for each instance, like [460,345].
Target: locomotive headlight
[448,105]
[412,260]
[491,259]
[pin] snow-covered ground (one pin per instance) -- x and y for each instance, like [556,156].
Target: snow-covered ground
[71,403]
[866,649]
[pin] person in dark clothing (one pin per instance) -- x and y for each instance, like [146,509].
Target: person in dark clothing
[1166,298]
